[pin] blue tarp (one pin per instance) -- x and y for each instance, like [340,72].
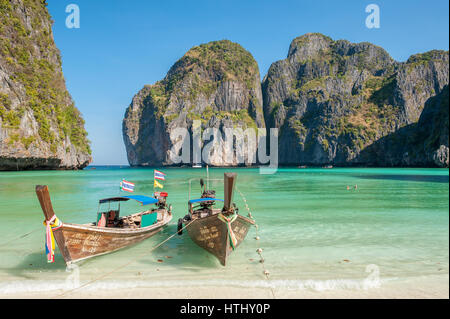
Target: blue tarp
[193,201]
[144,200]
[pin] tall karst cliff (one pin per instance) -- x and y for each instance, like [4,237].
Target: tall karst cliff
[40,127]
[217,83]
[333,99]
[334,102]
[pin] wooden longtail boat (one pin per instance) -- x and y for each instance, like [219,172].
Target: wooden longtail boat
[219,231]
[110,232]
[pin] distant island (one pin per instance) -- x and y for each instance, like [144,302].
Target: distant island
[334,102]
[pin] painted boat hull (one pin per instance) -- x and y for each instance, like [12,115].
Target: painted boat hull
[211,234]
[78,242]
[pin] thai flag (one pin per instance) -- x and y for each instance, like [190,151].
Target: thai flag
[160,175]
[127,186]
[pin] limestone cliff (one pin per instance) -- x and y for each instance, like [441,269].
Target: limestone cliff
[424,143]
[333,99]
[40,127]
[334,102]
[217,83]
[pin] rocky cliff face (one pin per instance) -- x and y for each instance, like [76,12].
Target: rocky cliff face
[217,83]
[334,102]
[424,143]
[333,99]
[40,128]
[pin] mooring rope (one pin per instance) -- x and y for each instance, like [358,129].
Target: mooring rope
[124,265]
[20,237]
[259,250]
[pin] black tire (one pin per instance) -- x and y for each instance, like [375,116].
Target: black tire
[180,226]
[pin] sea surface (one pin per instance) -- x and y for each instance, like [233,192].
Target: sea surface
[317,230]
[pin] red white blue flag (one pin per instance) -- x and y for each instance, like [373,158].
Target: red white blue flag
[159,175]
[127,186]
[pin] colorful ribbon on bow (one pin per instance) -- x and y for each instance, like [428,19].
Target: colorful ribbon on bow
[228,221]
[53,224]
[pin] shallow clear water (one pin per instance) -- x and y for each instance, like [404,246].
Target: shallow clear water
[312,229]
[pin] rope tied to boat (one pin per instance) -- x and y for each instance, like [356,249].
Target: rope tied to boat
[229,221]
[259,250]
[124,265]
[50,225]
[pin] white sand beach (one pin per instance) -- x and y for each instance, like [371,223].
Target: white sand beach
[436,287]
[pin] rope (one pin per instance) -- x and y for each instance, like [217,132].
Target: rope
[123,266]
[20,237]
[259,250]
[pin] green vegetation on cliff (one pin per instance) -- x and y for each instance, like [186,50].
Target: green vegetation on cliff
[225,59]
[34,63]
[217,83]
[204,67]
[332,99]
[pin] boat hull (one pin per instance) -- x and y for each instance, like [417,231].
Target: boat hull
[79,242]
[211,234]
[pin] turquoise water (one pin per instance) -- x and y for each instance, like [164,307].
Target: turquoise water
[311,228]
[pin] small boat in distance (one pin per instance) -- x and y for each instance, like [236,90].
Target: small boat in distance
[110,232]
[197,166]
[219,231]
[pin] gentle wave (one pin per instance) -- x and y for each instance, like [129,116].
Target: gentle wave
[15,287]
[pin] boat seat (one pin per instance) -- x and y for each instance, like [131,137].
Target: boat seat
[112,218]
[109,218]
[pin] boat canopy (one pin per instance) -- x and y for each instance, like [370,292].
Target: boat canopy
[206,199]
[144,200]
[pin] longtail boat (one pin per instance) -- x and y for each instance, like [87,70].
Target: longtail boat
[109,233]
[217,230]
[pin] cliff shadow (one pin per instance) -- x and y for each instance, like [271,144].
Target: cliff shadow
[414,144]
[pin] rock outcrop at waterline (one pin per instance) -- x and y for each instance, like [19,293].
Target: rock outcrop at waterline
[40,128]
[216,83]
[332,100]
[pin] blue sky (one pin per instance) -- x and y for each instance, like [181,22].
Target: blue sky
[123,45]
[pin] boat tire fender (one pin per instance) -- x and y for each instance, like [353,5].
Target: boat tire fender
[180,226]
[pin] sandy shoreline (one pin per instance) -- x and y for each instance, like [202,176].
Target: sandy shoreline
[437,288]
